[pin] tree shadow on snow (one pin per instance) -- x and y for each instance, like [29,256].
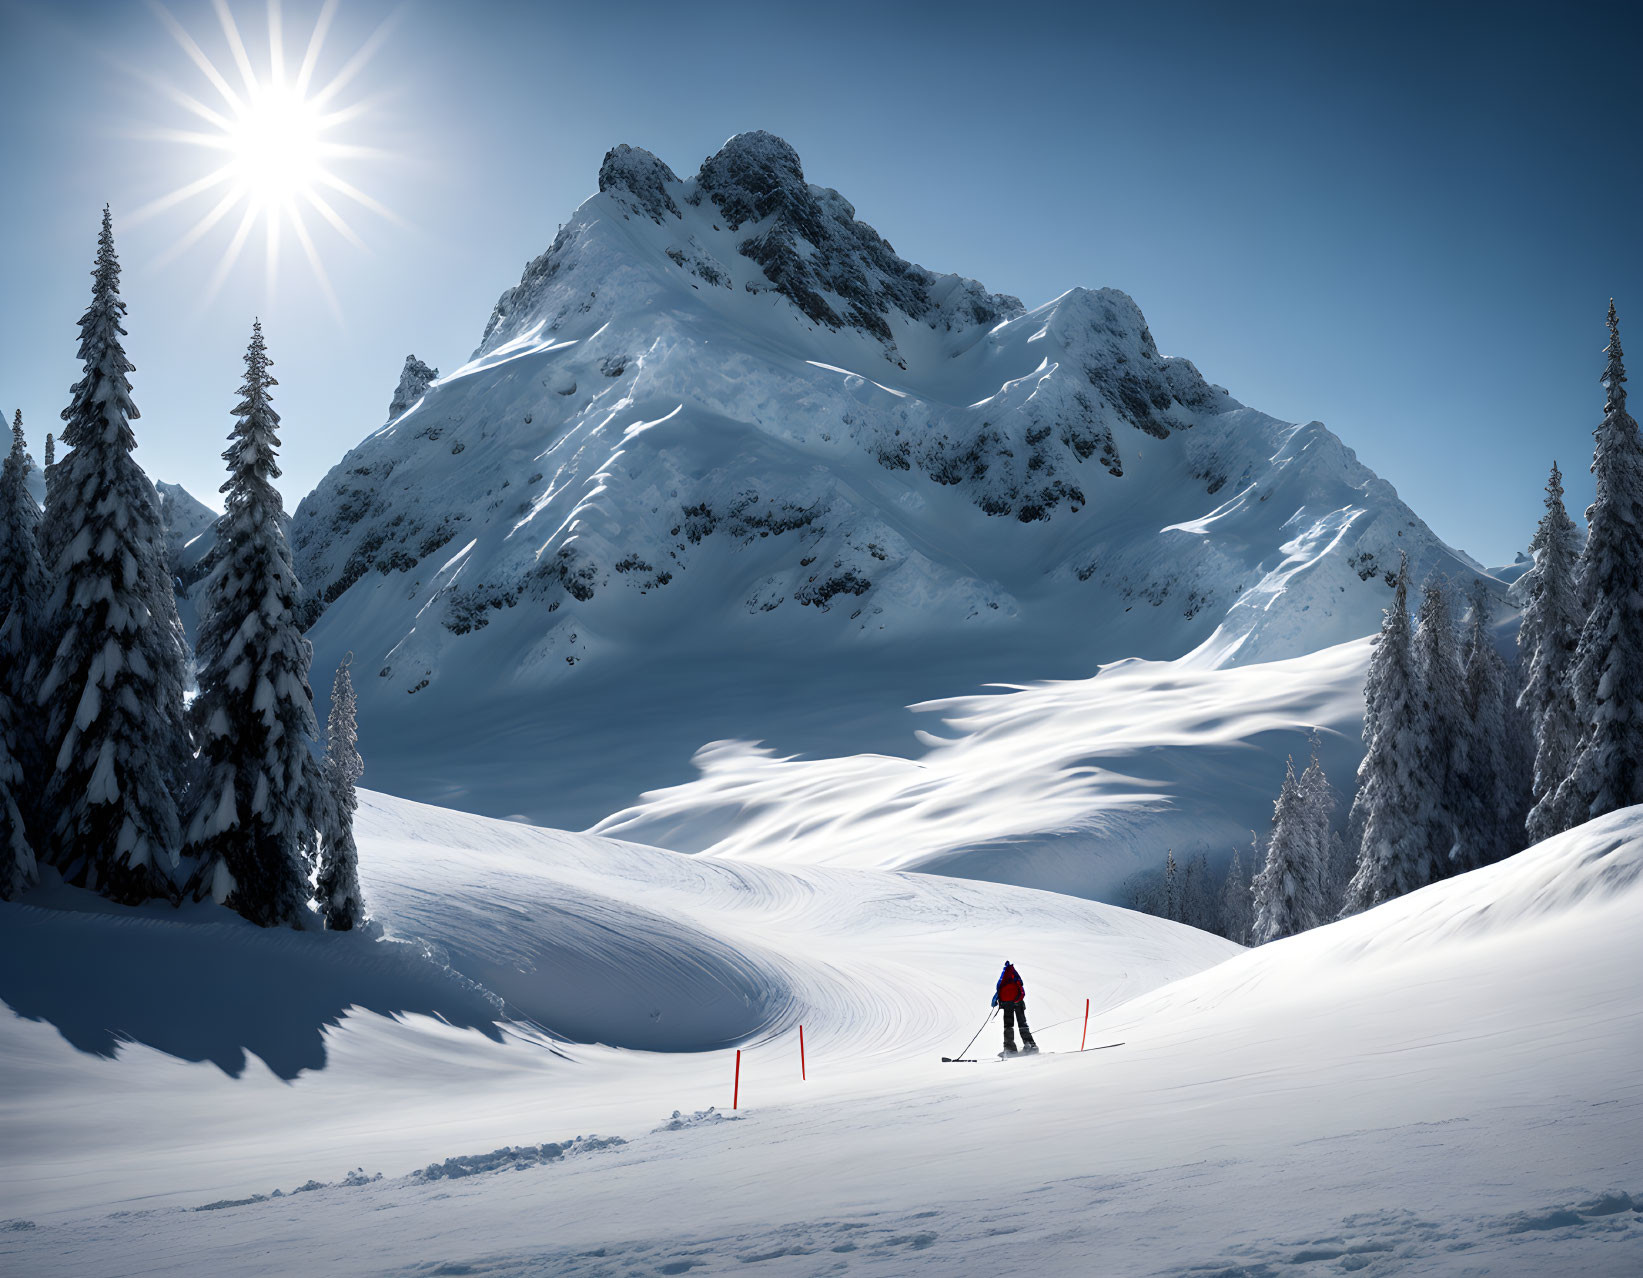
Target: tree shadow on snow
[200,986]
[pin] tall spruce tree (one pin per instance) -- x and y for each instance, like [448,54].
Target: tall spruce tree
[1606,769]
[1486,802]
[17,868]
[259,801]
[1172,888]
[1393,856]
[1520,762]
[45,532]
[113,696]
[1319,799]
[1198,904]
[1442,738]
[1236,916]
[22,585]
[20,582]
[338,889]
[1287,892]
[1547,637]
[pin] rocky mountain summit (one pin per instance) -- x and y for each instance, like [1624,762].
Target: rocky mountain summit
[722,412]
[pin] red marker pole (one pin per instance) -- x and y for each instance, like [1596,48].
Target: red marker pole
[736,1095]
[1086,1037]
[801,1054]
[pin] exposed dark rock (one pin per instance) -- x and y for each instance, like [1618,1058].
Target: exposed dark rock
[847,274]
[414,381]
[639,174]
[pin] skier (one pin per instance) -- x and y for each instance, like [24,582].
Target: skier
[1011,995]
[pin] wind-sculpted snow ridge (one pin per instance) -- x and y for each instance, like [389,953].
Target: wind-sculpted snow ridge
[1071,786]
[724,411]
[1444,1085]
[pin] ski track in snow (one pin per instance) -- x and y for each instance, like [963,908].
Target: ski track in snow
[1445,1085]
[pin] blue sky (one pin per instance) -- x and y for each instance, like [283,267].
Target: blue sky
[1404,221]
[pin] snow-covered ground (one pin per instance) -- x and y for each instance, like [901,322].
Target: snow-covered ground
[1446,1084]
[665,959]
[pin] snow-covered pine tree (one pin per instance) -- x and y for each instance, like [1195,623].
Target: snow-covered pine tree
[113,697]
[45,529]
[1520,761]
[1172,888]
[1319,798]
[1288,896]
[1235,899]
[1341,866]
[1546,639]
[338,886]
[259,799]
[22,585]
[1198,905]
[1442,738]
[1606,769]
[1485,803]
[1393,856]
[17,869]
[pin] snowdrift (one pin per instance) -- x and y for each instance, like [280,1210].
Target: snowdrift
[1443,1085]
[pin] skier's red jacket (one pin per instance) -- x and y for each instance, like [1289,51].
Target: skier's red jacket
[1011,988]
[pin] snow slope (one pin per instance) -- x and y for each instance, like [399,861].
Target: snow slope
[1069,786]
[1445,1085]
[723,452]
[664,959]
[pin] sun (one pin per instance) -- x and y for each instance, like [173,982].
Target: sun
[276,146]
[277,143]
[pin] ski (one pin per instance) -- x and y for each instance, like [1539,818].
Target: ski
[959,1060]
[1004,1056]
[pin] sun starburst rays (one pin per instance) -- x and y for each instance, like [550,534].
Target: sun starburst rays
[274,142]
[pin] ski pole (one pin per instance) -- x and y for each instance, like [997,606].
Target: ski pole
[973,1037]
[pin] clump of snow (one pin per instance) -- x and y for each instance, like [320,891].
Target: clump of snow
[514,1157]
[356,1179]
[702,1117]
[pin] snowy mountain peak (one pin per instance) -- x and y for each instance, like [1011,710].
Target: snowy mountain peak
[723,414]
[754,226]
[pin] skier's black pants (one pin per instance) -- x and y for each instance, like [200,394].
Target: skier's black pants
[1016,1014]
